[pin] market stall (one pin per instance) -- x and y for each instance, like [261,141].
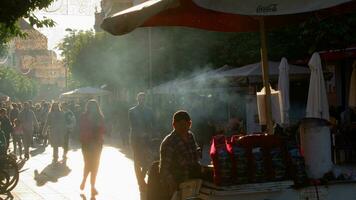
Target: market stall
[226,16]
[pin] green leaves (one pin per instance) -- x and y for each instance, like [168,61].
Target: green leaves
[13,10]
[16,85]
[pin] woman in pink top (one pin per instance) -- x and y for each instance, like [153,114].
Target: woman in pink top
[92,129]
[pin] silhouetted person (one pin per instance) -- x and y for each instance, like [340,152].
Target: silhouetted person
[17,134]
[5,125]
[70,125]
[42,120]
[57,130]
[3,148]
[28,120]
[348,120]
[141,125]
[178,155]
[92,129]
[14,113]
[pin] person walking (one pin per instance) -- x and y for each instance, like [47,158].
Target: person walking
[92,130]
[42,120]
[56,124]
[17,134]
[6,125]
[14,113]
[141,129]
[70,125]
[28,120]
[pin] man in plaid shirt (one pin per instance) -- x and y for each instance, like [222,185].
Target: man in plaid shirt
[179,154]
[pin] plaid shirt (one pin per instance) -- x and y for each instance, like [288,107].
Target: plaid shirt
[178,159]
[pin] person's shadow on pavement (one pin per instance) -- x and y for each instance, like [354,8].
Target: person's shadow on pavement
[52,173]
[85,198]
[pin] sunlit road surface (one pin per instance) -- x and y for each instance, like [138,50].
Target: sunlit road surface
[115,180]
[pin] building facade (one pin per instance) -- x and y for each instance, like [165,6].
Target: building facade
[31,56]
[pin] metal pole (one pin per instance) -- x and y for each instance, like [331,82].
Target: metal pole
[265,73]
[150,57]
[66,74]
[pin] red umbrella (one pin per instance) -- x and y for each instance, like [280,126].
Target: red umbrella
[188,14]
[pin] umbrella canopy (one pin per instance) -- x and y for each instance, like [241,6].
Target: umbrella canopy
[187,13]
[283,87]
[84,92]
[352,93]
[267,7]
[317,105]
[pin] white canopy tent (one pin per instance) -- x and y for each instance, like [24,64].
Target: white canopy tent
[84,92]
[255,70]
[252,72]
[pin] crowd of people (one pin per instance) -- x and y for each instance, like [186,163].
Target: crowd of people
[26,125]
[53,123]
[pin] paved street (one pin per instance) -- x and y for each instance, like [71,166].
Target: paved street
[116,177]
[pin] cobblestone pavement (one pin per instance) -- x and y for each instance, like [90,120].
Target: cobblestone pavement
[39,179]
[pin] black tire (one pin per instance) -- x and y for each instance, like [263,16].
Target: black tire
[10,167]
[4,181]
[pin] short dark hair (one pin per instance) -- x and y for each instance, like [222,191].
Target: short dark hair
[140,94]
[181,115]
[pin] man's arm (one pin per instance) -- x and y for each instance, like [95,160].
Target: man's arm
[166,159]
[129,116]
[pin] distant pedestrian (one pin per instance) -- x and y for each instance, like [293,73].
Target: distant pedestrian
[141,131]
[28,120]
[5,125]
[92,129]
[14,113]
[70,125]
[57,130]
[17,134]
[42,120]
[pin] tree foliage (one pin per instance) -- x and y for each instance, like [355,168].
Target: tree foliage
[99,59]
[16,85]
[12,10]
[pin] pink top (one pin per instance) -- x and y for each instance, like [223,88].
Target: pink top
[18,130]
[89,133]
